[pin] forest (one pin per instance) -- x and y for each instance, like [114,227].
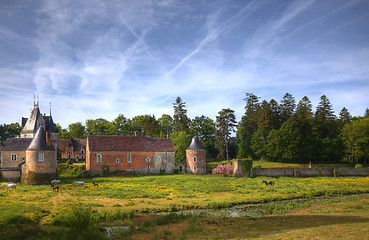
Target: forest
[268,130]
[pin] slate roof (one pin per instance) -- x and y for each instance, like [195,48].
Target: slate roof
[16,144]
[129,143]
[39,141]
[31,124]
[195,144]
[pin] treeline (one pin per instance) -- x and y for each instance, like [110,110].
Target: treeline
[290,132]
[284,132]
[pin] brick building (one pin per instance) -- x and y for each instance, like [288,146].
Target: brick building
[72,148]
[140,154]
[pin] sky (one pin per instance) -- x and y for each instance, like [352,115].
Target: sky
[97,59]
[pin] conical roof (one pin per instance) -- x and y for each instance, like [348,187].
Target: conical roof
[39,141]
[31,125]
[195,144]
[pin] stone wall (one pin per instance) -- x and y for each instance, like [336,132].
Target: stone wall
[10,175]
[309,172]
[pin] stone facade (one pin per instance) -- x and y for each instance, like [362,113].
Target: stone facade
[32,157]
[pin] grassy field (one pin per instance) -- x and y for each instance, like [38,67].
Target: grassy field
[266,164]
[43,212]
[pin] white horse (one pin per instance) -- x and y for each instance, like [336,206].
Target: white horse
[12,185]
[53,182]
[78,183]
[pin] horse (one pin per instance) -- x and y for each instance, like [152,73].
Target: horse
[95,184]
[271,183]
[53,182]
[55,188]
[12,185]
[78,183]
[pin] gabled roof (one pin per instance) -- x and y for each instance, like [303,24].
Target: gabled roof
[129,143]
[39,141]
[16,144]
[77,144]
[195,144]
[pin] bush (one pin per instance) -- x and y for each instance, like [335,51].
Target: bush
[176,171]
[226,169]
[70,170]
[359,166]
[257,166]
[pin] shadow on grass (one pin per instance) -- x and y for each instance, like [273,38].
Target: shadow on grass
[231,228]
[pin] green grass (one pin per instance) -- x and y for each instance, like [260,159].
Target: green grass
[266,164]
[116,198]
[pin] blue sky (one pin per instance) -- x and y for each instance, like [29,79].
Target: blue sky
[97,59]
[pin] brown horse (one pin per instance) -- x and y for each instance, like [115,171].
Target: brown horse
[95,184]
[55,188]
[271,183]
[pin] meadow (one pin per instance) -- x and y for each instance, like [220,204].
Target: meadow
[41,212]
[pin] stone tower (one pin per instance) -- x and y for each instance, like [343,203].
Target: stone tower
[195,157]
[40,166]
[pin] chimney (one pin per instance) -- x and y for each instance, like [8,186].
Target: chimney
[168,135]
[136,133]
[48,138]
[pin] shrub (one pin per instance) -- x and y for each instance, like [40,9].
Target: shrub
[176,171]
[257,166]
[359,166]
[226,169]
[218,205]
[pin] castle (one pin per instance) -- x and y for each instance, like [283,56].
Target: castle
[31,158]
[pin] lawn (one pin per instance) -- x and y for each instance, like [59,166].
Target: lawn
[116,198]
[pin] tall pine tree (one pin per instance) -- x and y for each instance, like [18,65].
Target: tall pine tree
[180,120]
[225,124]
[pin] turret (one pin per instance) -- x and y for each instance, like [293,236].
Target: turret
[41,162]
[195,157]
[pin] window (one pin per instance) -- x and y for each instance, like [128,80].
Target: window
[14,157]
[195,159]
[148,167]
[117,160]
[148,159]
[195,168]
[98,158]
[41,157]
[81,151]
[129,158]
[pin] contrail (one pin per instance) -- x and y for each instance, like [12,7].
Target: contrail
[138,37]
[213,35]
[320,18]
